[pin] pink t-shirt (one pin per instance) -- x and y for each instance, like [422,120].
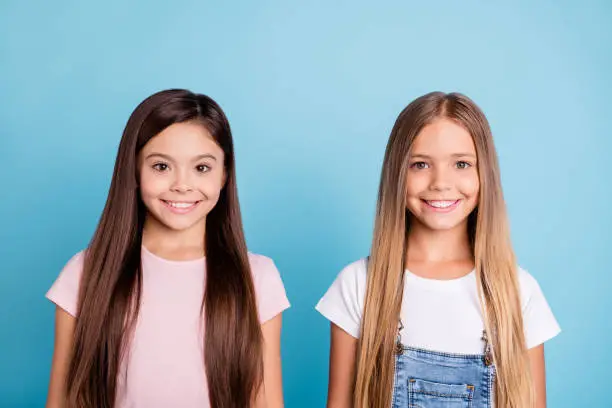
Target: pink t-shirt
[165,364]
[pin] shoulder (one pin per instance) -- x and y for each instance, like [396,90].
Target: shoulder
[538,318]
[255,258]
[64,291]
[356,271]
[351,281]
[77,259]
[269,287]
[527,283]
[343,302]
[73,269]
[261,265]
[525,278]
[265,273]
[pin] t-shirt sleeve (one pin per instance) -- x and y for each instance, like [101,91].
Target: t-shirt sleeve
[538,319]
[269,288]
[65,290]
[342,304]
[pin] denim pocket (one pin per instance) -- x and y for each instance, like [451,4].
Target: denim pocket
[426,394]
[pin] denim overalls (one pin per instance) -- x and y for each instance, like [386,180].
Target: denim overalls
[428,379]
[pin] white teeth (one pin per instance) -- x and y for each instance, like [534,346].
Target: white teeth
[441,204]
[179,205]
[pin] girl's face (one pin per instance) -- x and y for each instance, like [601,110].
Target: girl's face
[442,182]
[181,176]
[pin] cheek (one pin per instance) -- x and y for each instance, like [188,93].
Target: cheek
[416,184]
[212,185]
[470,185]
[150,186]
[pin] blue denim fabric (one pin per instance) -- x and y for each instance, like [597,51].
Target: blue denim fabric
[427,379]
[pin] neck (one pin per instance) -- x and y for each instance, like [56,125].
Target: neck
[158,238]
[427,245]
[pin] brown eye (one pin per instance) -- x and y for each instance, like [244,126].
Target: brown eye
[160,166]
[419,165]
[463,165]
[203,168]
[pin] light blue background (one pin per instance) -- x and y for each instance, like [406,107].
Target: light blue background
[312,90]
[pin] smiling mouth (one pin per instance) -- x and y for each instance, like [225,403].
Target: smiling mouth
[180,207]
[442,205]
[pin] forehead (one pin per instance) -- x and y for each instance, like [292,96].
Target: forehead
[442,138]
[183,140]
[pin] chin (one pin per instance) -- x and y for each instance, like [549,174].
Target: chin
[176,225]
[179,228]
[441,225]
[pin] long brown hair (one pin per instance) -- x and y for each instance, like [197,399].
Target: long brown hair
[494,260]
[111,285]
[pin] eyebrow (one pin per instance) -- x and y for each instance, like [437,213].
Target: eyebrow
[425,156]
[197,158]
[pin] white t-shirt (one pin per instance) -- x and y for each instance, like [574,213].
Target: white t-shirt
[437,315]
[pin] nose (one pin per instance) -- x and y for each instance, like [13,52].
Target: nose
[441,180]
[181,183]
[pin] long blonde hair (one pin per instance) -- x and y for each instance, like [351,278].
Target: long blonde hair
[494,260]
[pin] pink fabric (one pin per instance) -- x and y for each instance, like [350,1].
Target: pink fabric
[165,367]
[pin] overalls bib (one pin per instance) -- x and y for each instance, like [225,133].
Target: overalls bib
[428,379]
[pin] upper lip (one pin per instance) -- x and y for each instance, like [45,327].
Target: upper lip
[180,201]
[441,199]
